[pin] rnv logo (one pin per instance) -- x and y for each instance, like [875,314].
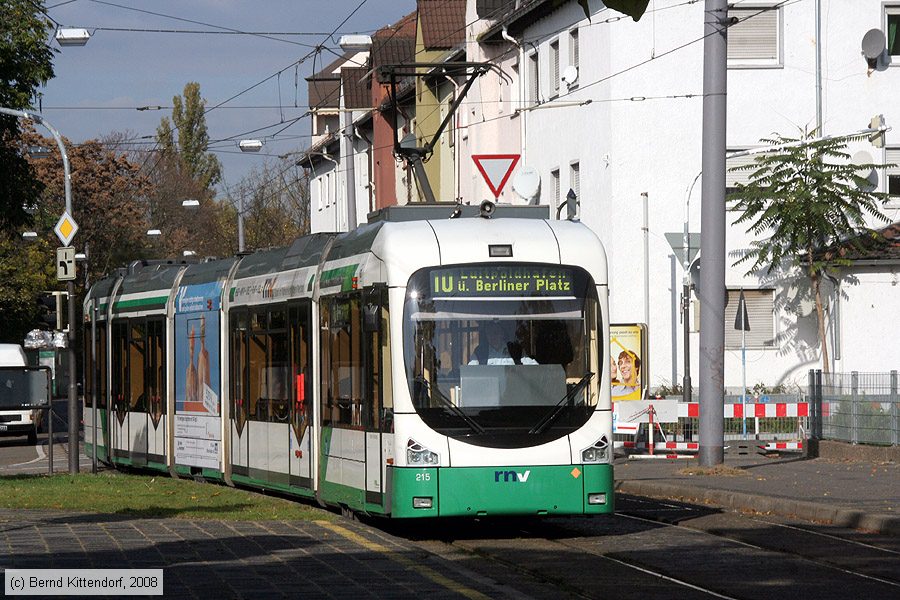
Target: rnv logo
[511,476]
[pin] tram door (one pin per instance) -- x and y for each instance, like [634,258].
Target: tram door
[353,330]
[300,447]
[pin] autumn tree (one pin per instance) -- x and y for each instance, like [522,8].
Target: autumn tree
[108,191]
[25,63]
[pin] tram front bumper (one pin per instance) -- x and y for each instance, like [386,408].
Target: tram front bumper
[497,491]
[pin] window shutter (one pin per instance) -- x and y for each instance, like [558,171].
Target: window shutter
[575,180]
[760,316]
[554,175]
[892,156]
[554,65]
[733,178]
[753,39]
[573,48]
[535,89]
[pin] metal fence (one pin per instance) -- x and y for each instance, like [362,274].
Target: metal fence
[861,408]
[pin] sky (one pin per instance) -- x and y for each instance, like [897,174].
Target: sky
[98,87]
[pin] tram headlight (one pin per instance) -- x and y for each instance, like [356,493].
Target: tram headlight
[417,454]
[596,453]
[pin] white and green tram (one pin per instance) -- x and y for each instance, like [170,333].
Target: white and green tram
[360,369]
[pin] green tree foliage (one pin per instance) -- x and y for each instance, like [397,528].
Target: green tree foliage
[803,199]
[26,61]
[188,116]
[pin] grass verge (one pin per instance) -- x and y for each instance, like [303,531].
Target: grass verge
[148,497]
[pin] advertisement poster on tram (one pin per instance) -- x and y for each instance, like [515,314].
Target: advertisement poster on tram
[197,381]
[627,361]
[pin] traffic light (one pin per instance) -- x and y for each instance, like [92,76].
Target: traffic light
[50,310]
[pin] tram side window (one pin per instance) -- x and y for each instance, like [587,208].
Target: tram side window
[377,405]
[277,371]
[342,363]
[256,363]
[119,365]
[100,370]
[136,355]
[154,372]
[238,326]
[89,368]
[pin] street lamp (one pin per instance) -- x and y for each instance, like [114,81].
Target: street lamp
[250,145]
[154,232]
[190,203]
[70,287]
[72,36]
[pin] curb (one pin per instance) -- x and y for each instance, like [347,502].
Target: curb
[786,507]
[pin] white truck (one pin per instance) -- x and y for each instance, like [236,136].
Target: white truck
[18,422]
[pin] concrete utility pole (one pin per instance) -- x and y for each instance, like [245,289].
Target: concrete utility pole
[712,235]
[70,288]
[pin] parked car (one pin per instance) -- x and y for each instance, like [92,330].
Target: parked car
[18,422]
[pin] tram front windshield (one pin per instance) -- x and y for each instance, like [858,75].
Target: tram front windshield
[503,355]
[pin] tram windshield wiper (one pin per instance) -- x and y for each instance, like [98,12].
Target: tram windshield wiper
[557,410]
[472,423]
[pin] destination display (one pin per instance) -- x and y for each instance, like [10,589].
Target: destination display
[498,280]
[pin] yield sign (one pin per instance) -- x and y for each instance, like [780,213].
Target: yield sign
[496,169]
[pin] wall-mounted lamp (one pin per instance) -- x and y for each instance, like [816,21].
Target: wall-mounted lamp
[154,232]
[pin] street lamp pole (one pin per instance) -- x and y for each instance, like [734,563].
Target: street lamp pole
[70,289]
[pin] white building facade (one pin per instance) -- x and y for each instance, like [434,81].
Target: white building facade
[612,109]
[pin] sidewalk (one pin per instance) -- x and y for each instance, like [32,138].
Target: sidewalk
[859,495]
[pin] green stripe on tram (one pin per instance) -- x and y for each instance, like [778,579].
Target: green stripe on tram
[139,303]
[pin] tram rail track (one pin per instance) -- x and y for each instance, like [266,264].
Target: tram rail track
[679,551]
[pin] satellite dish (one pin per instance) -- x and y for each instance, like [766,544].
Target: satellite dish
[570,75]
[864,158]
[873,44]
[527,183]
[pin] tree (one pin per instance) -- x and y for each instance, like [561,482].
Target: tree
[275,206]
[801,200]
[108,192]
[25,63]
[188,115]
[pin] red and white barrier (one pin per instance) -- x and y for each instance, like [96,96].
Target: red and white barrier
[782,446]
[691,410]
[688,446]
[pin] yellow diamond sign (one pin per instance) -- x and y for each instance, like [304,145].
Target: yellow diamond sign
[66,229]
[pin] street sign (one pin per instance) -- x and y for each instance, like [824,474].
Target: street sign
[496,169]
[741,319]
[65,263]
[66,229]
[676,241]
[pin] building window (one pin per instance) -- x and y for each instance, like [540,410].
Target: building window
[534,89]
[321,186]
[892,19]
[892,157]
[760,319]
[755,39]
[554,66]
[575,180]
[554,187]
